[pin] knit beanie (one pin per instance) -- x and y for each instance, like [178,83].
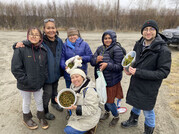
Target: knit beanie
[150,23]
[73,31]
[78,71]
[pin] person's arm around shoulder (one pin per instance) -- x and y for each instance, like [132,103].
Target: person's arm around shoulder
[18,45]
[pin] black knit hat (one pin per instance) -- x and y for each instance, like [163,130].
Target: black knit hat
[150,23]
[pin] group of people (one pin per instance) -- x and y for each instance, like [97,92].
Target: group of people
[39,62]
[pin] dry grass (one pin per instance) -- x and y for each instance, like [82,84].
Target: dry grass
[173,85]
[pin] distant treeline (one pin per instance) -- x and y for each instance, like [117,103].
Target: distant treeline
[84,16]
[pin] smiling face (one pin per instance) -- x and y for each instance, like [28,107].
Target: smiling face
[107,40]
[50,30]
[73,38]
[149,34]
[77,80]
[34,36]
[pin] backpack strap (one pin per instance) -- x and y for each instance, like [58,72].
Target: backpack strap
[84,91]
[111,51]
[100,49]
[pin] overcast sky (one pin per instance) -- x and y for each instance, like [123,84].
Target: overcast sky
[123,3]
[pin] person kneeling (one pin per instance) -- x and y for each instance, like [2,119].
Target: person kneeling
[86,112]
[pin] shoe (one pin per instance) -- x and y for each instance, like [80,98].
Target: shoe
[41,117]
[105,115]
[57,107]
[148,130]
[44,123]
[49,116]
[92,131]
[28,122]
[131,122]
[114,121]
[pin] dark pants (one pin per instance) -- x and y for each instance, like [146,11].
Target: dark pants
[50,92]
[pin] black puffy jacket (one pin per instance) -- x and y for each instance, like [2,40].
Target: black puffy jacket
[152,66]
[29,66]
[113,71]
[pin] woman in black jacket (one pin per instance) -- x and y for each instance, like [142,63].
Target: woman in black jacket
[29,66]
[112,70]
[53,45]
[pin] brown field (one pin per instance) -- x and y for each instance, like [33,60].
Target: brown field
[166,109]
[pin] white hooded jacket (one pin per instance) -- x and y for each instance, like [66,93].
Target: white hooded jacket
[88,106]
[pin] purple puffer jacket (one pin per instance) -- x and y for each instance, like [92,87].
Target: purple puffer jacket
[82,49]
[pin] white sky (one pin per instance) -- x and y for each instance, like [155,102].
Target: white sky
[123,3]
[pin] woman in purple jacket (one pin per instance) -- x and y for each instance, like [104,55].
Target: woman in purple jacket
[73,46]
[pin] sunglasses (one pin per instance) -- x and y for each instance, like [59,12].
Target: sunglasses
[50,19]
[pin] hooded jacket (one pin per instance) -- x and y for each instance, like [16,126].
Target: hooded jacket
[29,66]
[113,71]
[82,49]
[152,66]
[88,112]
[54,70]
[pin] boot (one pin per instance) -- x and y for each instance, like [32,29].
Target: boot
[92,131]
[131,122]
[57,107]
[28,122]
[114,121]
[48,115]
[105,115]
[41,117]
[148,130]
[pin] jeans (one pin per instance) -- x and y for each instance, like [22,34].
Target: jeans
[111,107]
[70,130]
[50,92]
[149,116]
[68,83]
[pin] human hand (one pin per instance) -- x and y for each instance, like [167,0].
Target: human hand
[128,73]
[79,58]
[19,44]
[103,66]
[99,58]
[72,107]
[56,99]
[66,67]
[132,70]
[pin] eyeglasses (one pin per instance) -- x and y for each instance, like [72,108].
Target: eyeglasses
[36,36]
[149,29]
[49,19]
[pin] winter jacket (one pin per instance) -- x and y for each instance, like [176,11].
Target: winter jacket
[113,71]
[152,66]
[82,49]
[29,66]
[54,70]
[88,112]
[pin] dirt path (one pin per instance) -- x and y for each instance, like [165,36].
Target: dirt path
[11,101]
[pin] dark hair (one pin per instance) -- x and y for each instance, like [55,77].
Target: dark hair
[49,20]
[32,28]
